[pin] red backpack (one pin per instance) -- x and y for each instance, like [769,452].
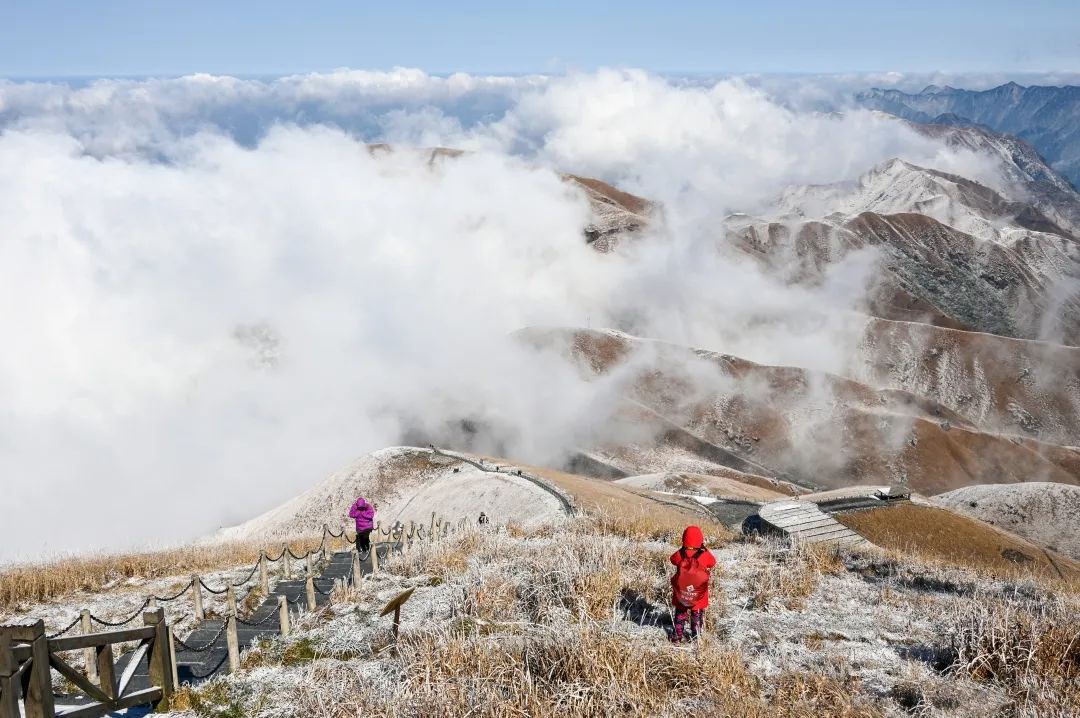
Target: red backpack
[691,581]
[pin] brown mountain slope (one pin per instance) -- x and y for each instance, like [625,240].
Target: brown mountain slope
[814,429]
[998,384]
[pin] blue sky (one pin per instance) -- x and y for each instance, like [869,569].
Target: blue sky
[42,38]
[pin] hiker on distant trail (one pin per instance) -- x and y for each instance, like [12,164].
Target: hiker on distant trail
[483,518]
[690,584]
[364,514]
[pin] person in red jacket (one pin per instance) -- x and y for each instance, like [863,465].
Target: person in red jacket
[690,584]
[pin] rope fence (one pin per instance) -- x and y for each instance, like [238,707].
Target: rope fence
[65,629]
[205,647]
[126,621]
[211,590]
[399,537]
[270,616]
[175,596]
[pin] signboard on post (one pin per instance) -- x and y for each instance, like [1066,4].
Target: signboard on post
[394,605]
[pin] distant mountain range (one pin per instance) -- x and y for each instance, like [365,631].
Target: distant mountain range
[1046,117]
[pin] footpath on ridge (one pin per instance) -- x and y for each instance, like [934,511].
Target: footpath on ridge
[204,652]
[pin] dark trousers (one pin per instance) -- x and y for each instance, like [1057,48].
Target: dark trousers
[363,540]
[682,615]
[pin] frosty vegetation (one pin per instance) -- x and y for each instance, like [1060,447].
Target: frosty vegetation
[568,619]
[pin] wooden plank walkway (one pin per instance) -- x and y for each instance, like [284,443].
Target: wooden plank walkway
[211,654]
[805,521]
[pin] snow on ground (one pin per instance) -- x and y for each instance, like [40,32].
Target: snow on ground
[1043,512]
[896,186]
[408,484]
[690,484]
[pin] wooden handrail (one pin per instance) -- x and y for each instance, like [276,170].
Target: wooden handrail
[92,640]
[27,657]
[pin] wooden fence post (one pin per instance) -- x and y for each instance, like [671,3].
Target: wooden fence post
[106,669]
[264,577]
[374,558]
[159,662]
[233,642]
[357,573]
[10,688]
[308,559]
[172,659]
[38,699]
[230,599]
[89,655]
[283,615]
[309,587]
[431,528]
[197,592]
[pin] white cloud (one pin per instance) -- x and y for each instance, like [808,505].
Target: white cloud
[161,238]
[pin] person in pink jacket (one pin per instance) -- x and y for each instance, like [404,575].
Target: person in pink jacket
[364,515]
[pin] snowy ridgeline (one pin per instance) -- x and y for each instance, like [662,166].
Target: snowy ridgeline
[408,484]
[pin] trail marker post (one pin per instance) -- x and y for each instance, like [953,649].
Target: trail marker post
[309,588]
[233,643]
[197,592]
[357,573]
[283,615]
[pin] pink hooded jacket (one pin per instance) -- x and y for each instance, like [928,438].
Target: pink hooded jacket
[364,513]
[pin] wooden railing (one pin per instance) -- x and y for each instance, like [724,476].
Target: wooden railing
[28,655]
[27,658]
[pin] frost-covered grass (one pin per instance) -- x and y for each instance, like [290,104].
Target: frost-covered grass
[112,586]
[569,619]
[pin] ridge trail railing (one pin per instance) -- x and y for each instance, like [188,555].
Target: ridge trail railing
[28,657]
[28,654]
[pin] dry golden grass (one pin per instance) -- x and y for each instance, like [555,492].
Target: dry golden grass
[575,671]
[935,534]
[578,567]
[635,513]
[793,575]
[26,585]
[1033,654]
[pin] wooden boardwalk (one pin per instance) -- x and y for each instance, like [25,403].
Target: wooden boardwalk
[204,653]
[804,521]
[212,654]
[162,661]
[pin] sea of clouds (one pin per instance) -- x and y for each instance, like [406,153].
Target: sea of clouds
[212,293]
